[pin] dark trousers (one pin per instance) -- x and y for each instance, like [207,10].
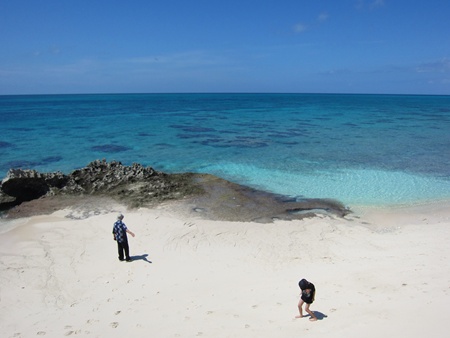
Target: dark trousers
[123,247]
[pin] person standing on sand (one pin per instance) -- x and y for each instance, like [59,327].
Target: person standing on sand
[307,296]
[120,231]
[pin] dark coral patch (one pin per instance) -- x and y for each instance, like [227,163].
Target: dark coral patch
[239,142]
[145,134]
[21,129]
[5,145]
[190,136]
[29,164]
[110,148]
[289,143]
[186,136]
[192,129]
[51,159]
[20,164]
[163,145]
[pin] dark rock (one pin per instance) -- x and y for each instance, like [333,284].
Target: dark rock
[101,176]
[224,200]
[204,195]
[27,185]
[6,201]
[133,185]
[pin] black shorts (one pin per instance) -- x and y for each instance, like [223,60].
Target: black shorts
[308,299]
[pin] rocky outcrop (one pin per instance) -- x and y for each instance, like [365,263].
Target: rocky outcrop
[101,176]
[29,192]
[26,185]
[134,185]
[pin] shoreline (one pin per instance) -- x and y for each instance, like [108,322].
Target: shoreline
[102,183]
[26,193]
[80,208]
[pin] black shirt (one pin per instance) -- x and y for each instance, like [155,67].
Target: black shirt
[308,298]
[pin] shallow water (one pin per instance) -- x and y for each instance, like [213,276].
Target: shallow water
[359,149]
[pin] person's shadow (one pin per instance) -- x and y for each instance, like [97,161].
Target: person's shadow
[320,315]
[140,258]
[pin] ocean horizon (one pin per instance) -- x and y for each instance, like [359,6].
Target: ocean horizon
[361,149]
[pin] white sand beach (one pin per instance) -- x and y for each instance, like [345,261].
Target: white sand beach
[377,273]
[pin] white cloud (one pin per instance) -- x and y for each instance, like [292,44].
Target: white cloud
[323,17]
[299,28]
[377,3]
[372,4]
[54,49]
[81,66]
[50,50]
[182,59]
[439,66]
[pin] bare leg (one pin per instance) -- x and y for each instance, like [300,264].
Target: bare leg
[313,316]
[300,304]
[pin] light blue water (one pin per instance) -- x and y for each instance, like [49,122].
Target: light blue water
[359,149]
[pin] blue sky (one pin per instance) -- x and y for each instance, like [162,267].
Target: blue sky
[138,46]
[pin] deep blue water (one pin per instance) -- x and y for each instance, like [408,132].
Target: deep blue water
[360,149]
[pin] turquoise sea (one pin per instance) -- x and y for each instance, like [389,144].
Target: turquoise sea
[359,149]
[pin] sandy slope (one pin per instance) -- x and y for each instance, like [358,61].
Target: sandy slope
[377,272]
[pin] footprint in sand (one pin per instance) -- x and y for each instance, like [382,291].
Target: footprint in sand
[72,332]
[114,324]
[117,312]
[40,333]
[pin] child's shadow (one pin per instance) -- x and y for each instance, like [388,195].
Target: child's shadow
[320,315]
[141,257]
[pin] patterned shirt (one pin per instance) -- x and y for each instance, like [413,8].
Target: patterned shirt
[120,231]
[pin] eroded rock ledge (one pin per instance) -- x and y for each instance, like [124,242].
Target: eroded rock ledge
[28,192]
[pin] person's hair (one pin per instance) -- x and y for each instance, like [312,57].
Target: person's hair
[303,284]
